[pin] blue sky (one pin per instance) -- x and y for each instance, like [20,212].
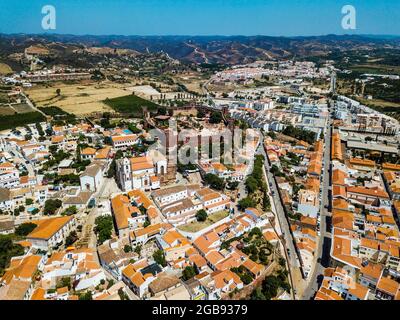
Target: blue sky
[201,17]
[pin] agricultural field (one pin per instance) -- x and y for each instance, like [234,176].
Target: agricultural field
[22,108]
[5,110]
[78,99]
[5,69]
[4,97]
[130,104]
[192,82]
[376,69]
[8,106]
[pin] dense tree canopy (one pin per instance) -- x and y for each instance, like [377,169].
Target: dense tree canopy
[103,228]
[300,134]
[25,229]
[214,181]
[201,215]
[51,206]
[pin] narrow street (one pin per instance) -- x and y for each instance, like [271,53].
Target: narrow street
[88,238]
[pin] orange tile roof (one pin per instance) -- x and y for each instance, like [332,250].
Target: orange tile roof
[141,198]
[312,183]
[338,177]
[88,151]
[303,143]
[123,210]
[123,138]
[211,196]
[214,257]
[254,211]
[141,163]
[391,166]
[388,220]
[38,294]
[62,290]
[46,228]
[372,270]
[343,219]
[339,191]
[375,192]
[340,204]
[327,294]
[369,243]
[154,179]
[221,278]
[308,221]
[253,267]
[375,219]
[358,290]
[58,128]
[133,275]
[22,268]
[150,230]
[319,146]
[57,139]
[362,162]
[308,231]
[337,153]
[198,260]
[152,213]
[6,165]
[103,153]
[314,167]
[172,236]
[25,243]
[341,250]
[388,286]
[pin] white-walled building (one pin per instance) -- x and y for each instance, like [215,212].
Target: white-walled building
[141,172]
[92,178]
[51,232]
[124,141]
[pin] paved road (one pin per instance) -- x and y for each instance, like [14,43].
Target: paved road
[280,213]
[288,241]
[324,244]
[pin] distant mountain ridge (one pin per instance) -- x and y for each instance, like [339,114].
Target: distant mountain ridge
[206,49]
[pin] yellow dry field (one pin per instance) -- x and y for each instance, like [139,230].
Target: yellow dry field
[5,69]
[211,219]
[191,82]
[78,99]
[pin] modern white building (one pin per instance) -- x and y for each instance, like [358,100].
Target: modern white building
[9,175]
[124,141]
